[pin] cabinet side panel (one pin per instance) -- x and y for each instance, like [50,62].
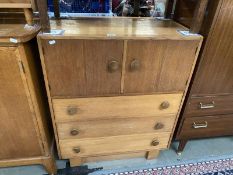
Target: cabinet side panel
[216,66]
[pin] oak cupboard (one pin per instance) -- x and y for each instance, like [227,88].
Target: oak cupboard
[25,138]
[115,86]
[209,106]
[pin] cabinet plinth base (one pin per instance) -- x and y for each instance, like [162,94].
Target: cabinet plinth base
[47,161]
[77,161]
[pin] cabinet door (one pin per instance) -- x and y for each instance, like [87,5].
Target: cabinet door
[158,66]
[18,137]
[83,67]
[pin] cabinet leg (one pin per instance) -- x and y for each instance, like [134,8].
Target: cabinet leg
[181,146]
[152,154]
[50,165]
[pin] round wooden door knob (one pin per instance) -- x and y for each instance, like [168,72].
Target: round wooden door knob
[159,126]
[76,150]
[165,105]
[135,65]
[113,66]
[155,143]
[74,132]
[72,110]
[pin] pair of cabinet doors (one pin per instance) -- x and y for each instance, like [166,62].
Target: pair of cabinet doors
[113,67]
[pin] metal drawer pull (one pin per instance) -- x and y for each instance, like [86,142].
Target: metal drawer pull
[207,106]
[72,110]
[200,125]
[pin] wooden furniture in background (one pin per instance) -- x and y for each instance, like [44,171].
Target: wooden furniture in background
[209,106]
[115,86]
[26,5]
[24,127]
[190,13]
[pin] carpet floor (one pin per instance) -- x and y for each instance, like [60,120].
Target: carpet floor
[205,151]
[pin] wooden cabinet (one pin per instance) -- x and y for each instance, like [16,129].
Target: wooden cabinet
[210,100]
[115,91]
[24,134]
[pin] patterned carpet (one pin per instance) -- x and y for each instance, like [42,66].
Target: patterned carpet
[215,167]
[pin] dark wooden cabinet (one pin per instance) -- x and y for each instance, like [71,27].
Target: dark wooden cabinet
[208,110]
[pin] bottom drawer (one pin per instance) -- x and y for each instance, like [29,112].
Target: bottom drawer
[115,144]
[208,126]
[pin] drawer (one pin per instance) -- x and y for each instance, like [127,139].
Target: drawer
[112,145]
[116,107]
[115,127]
[210,105]
[198,127]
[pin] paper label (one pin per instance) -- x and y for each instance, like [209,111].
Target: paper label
[13,40]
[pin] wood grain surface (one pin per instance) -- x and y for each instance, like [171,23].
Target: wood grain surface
[118,28]
[80,67]
[111,145]
[15,113]
[115,107]
[114,127]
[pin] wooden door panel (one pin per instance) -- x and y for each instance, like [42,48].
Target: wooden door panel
[177,65]
[80,67]
[18,136]
[214,75]
[149,55]
[163,66]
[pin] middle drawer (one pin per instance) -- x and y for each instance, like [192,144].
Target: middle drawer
[115,127]
[81,109]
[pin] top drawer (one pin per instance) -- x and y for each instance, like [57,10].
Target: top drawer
[116,107]
[200,106]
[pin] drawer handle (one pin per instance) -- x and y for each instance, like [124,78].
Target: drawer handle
[74,132]
[135,65]
[200,125]
[165,105]
[155,142]
[113,66]
[72,110]
[207,106]
[76,150]
[159,126]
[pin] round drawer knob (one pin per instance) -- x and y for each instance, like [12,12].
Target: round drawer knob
[76,150]
[159,126]
[165,105]
[72,110]
[74,132]
[113,66]
[135,65]
[155,143]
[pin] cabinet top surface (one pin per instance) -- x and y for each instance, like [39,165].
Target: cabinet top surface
[17,33]
[117,28]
